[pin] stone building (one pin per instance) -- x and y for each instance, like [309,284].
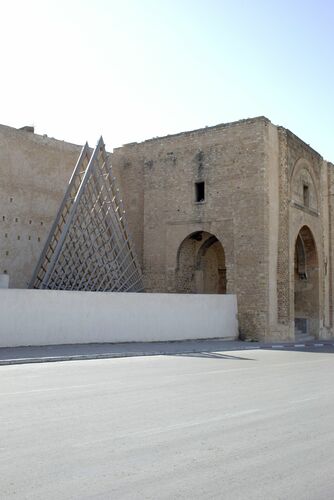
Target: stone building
[34,173]
[243,207]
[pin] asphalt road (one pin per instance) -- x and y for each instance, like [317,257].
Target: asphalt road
[251,424]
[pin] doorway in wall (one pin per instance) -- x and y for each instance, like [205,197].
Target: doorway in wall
[201,264]
[306,285]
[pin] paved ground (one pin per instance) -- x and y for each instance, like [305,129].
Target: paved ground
[250,424]
[91,351]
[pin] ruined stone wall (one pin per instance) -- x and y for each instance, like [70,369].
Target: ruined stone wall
[35,171]
[255,204]
[300,165]
[329,263]
[128,168]
[160,201]
[272,223]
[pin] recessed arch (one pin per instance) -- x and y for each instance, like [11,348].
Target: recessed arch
[201,264]
[187,241]
[304,185]
[306,284]
[212,240]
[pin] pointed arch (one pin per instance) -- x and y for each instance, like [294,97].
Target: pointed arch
[306,284]
[304,185]
[201,264]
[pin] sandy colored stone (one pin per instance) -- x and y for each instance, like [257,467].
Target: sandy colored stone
[262,186]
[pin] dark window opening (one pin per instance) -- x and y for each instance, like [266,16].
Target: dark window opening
[199,192]
[306,195]
[301,324]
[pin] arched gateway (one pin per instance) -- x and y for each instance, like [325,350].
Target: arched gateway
[306,280]
[201,264]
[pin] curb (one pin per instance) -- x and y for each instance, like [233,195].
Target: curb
[74,357]
[305,344]
[80,357]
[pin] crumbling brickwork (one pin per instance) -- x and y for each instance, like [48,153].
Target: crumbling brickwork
[222,209]
[262,185]
[229,159]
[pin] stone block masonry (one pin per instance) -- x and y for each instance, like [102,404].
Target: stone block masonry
[35,171]
[242,208]
[253,184]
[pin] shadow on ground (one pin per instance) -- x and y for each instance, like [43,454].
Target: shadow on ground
[210,355]
[209,349]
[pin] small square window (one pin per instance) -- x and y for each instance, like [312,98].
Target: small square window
[199,192]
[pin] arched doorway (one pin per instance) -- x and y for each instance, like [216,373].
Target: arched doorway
[201,265]
[306,279]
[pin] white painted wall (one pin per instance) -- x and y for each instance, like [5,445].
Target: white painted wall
[45,317]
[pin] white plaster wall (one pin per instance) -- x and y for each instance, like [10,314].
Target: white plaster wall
[45,317]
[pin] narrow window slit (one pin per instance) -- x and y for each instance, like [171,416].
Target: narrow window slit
[199,192]
[306,195]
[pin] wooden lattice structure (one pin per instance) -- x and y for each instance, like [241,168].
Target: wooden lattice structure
[89,247]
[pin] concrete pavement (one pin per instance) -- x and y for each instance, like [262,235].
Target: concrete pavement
[248,424]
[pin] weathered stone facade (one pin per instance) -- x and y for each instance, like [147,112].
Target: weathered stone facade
[35,171]
[243,208]
[262,186]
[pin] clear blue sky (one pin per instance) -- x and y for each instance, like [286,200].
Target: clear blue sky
[136,69]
